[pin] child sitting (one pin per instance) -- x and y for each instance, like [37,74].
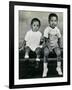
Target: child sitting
[32,39]
[52,37]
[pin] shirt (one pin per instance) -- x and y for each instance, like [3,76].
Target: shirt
[33,39]
[53,35]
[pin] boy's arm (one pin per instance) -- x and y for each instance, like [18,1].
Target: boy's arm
[46,39]
[59,37]
[59,42]
[23,45]
[43,41]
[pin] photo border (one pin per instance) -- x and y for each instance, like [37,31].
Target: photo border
[11,43]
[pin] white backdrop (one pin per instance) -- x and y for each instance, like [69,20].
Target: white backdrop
[4,43]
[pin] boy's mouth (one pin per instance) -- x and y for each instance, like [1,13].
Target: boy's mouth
[53,26]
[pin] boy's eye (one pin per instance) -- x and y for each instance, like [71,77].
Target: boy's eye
[34,25]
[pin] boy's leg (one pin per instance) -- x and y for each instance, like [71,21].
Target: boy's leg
[45,69]
[27,50]
[37,51]
[58,53]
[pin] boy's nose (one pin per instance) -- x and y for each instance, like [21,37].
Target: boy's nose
[53,24]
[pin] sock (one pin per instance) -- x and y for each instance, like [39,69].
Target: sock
[45,69]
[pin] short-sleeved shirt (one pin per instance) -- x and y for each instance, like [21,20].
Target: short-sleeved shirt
[33,39]
[52,35]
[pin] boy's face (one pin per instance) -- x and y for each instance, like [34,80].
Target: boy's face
[35,26]
[53,22]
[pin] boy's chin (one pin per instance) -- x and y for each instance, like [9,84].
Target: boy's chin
[34,30]
[53,27]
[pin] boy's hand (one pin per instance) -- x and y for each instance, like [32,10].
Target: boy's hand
[41,40]
[22,45]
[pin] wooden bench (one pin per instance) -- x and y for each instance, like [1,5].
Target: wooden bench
[52,56]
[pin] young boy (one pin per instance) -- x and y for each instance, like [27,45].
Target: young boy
[52,37]
[32,39]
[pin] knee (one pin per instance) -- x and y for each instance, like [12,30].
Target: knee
[27,49]
[46,52]
[38,51]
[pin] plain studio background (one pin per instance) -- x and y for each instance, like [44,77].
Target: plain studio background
[25,18]
[4,44]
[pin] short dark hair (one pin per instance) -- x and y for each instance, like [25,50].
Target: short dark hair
[35,19]
[52,15]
